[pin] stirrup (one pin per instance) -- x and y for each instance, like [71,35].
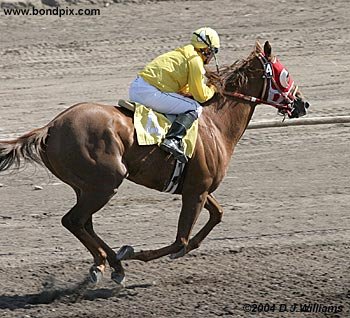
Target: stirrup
[169,145]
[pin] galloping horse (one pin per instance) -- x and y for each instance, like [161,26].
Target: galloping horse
[93,148]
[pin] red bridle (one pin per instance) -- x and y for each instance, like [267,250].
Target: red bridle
[270,85]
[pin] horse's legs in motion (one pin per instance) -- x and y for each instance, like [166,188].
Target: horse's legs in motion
[76,220]
[118,275]
[192,205]
[215,212]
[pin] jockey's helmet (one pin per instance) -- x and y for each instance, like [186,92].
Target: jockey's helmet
[206,38]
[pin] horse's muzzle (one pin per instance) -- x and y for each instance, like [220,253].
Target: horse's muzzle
[299,108]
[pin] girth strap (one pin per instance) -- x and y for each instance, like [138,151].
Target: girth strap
[171,187]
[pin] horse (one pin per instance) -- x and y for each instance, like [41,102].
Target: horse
[93,148]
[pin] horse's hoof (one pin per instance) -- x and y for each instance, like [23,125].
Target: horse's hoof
[125,252]
[119,278]
[179,254]
[95,275]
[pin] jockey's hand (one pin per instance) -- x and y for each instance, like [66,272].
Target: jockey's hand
[186,94]
[213,87]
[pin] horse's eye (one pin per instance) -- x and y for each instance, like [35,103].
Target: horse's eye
[284,78]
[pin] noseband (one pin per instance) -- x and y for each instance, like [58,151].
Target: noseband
[271,90]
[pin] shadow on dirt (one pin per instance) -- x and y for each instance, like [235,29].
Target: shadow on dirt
[83,290]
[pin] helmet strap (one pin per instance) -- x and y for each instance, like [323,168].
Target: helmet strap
[216,63]
[207,42]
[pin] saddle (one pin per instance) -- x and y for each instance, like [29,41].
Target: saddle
[126,104]
[151,126]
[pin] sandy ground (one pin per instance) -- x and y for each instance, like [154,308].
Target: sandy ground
[285,235]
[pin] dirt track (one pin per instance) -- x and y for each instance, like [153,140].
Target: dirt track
[285,235]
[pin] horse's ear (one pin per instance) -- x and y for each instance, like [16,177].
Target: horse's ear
[267,49]
[258,47]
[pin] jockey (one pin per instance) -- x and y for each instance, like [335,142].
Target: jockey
[174,83]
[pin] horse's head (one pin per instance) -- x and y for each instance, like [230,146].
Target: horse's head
[279,87]
[262,79]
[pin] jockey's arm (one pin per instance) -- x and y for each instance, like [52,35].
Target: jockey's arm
[196,81]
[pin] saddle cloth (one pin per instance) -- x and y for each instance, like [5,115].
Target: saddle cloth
[151,126]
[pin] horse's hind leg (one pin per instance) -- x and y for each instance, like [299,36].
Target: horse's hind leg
[118,275]
[77,218]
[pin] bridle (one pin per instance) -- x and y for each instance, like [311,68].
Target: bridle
[284,107]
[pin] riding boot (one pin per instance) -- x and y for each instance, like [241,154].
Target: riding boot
[172,142]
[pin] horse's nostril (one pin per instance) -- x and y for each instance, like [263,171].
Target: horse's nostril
[307,105]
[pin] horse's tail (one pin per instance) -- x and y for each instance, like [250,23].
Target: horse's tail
[26,148]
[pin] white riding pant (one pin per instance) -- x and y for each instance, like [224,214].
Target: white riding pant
[167,103]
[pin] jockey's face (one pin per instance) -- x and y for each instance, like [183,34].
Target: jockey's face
[206,55]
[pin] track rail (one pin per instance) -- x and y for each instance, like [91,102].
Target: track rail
[300,122]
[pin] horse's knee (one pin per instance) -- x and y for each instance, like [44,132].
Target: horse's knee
[216,217]
[220,215]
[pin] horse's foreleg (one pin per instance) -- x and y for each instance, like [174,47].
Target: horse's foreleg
[191,207]
[216,212]
[75,221]
[127,253]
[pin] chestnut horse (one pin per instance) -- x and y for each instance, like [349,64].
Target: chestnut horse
[93,148]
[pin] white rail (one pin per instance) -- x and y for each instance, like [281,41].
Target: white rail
[300,122]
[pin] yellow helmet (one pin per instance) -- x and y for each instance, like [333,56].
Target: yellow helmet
[206,37]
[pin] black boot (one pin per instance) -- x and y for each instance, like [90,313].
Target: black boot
[172,142]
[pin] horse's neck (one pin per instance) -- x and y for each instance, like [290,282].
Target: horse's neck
[220,130]
[230,122]
[233,117]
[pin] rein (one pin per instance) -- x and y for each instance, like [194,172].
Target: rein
[283,108]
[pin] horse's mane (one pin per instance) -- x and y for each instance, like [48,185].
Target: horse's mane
[235,76]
